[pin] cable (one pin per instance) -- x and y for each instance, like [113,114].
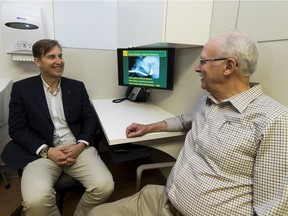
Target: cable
[119,100]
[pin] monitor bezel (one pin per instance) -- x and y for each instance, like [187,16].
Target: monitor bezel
[170,67]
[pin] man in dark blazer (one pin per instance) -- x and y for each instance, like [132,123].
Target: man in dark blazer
[52,125]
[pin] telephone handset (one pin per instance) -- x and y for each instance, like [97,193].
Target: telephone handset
[137,94]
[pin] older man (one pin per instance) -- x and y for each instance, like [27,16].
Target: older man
[234,159]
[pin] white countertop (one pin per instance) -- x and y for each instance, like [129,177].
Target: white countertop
[115,117]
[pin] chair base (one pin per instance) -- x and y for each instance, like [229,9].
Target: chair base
[18,211]
[63,184]
[7,185]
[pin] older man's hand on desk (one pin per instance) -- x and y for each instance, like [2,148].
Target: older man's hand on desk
[136,130]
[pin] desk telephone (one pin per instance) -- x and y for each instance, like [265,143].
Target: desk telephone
[137,94]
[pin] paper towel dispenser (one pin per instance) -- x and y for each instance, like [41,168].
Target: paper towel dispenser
[21,27]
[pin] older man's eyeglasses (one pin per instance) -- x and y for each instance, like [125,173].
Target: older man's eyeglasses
[204,61]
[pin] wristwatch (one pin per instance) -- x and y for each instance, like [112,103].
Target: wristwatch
[44,152]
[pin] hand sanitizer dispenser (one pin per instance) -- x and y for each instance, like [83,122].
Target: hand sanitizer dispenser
[21,27]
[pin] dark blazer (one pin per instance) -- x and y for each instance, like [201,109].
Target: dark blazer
[30,124]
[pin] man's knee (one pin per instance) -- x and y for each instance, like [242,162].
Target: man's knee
[152,190]
[41,199]
[104,190]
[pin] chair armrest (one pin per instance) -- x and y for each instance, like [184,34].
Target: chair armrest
[143,167]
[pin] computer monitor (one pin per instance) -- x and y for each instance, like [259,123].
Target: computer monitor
[146,67]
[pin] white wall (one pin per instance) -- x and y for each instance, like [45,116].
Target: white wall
[97,69]
[272,69]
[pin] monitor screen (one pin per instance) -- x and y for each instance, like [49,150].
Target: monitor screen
[146,67]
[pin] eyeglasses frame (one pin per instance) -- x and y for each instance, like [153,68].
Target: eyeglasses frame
[204,61]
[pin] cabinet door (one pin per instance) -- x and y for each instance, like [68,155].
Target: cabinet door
[188,22]
[164,22]
[126,12]
[149,22]
[86,24]
[265,20]
[140,22]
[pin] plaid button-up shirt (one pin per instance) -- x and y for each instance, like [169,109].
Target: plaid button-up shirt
[235,157]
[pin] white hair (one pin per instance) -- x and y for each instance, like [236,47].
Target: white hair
[242,47]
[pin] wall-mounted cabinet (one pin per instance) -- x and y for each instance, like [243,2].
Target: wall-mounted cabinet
[164,23]
[190,23]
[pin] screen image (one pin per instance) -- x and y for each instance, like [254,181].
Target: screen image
[146,67]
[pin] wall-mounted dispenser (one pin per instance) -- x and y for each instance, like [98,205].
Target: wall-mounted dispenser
[21,27]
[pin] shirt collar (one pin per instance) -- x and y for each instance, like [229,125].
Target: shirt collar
[240,101]
[47,87]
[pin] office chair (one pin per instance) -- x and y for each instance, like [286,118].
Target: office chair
[7,185]
[65,183]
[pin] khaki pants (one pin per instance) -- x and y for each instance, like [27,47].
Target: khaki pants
[152,200]
[39,176]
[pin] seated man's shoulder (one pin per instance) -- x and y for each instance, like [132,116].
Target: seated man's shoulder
[27,81]
[71,81]
[271,106]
